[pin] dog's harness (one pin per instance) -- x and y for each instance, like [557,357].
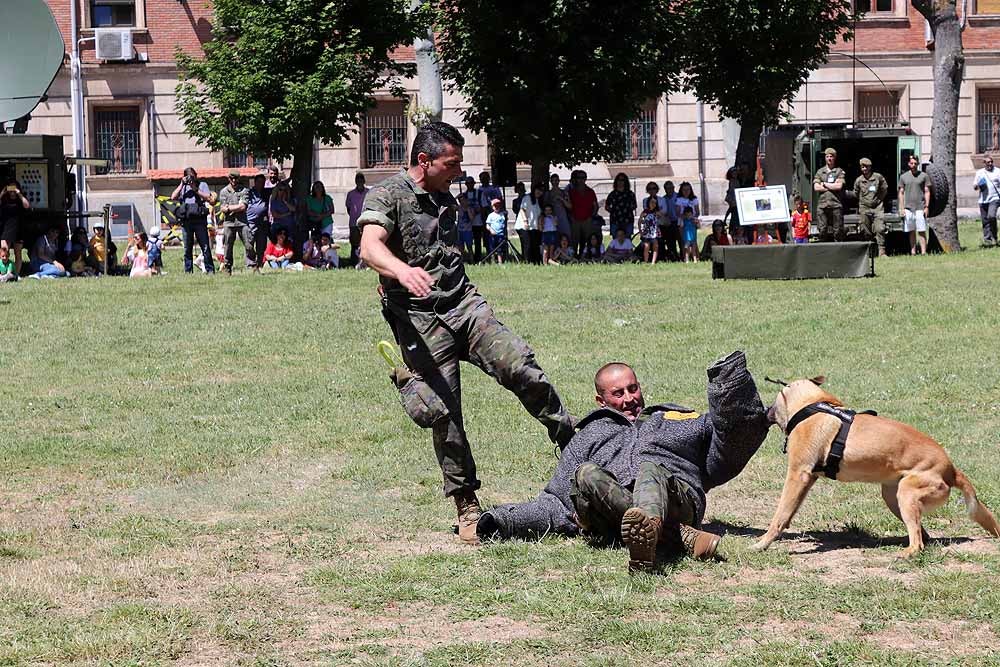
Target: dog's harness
[831,466]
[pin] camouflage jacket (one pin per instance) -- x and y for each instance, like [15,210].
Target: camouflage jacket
[423,232]
[830,198]
[230,196]
[703,450]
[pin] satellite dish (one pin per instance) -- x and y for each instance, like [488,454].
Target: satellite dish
[30,56]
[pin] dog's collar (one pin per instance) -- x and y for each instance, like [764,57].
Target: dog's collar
[831,466]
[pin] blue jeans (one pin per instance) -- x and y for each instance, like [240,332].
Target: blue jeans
[45,269]
[283,264]
[197,230]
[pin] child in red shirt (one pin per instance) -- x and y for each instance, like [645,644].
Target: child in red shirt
[278,253]
[801,219]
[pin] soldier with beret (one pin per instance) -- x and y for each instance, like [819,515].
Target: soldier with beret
[829,183]
[871,188]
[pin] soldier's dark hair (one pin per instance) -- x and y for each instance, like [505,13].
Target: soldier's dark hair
[432,139]
[607,369]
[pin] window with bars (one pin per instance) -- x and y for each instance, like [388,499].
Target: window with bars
[245,160]
[874,6]
[112,13]
[118,139]
[384,136]
[877,108]
[639,135]
[988,120]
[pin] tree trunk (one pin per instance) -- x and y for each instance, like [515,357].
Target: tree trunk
[949,69]
[747,148]
[302,173]
[428,75]
[540,171]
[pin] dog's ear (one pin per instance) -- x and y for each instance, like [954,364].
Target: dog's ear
[818,380]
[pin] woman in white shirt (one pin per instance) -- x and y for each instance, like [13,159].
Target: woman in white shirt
[685,198]
[528,224]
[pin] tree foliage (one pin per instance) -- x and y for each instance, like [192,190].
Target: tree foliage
[746,57]
[279,73]
[550,81]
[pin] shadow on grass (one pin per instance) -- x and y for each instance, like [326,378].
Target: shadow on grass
[851,537]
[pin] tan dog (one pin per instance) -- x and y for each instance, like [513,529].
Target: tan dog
[914,470]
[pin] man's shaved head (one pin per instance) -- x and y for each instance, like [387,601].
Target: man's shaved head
[618,388]
[606,371]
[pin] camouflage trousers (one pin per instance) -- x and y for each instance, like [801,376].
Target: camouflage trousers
[433,344]
[830,224]
[872,224]
[600,500]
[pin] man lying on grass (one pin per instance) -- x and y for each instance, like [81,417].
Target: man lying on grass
[640,474]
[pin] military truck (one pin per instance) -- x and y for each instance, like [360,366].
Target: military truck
[38,163]
[795,153]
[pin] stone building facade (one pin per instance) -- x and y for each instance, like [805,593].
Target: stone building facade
[884,75]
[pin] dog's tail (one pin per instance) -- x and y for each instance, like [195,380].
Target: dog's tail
[977,511]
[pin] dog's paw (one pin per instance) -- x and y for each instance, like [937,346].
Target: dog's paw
[760,546]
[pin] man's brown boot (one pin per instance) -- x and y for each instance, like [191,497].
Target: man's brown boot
[469,512]
[641,533]
[699,544]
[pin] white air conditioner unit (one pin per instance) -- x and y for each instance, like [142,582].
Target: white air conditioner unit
[113,43]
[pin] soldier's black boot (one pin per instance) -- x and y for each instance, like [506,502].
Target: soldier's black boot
[641,533]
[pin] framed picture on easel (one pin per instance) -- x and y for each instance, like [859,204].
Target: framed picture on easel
[765,205]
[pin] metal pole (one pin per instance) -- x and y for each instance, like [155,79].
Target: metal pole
[702,187]
[76,107]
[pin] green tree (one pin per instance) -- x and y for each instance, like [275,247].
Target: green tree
[551,81]
[746,57]
[279,74]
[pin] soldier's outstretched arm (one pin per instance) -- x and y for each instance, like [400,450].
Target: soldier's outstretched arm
[737,421]
[376,254]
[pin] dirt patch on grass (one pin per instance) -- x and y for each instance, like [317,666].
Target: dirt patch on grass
[955,638]
[418,627]
[974,545]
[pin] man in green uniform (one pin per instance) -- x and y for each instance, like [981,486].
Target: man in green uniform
[233,199]
[829,182]
[409,236]
[870,188]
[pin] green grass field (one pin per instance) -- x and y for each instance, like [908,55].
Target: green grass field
[203,471]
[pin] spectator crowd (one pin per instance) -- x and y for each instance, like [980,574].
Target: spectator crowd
[554,223]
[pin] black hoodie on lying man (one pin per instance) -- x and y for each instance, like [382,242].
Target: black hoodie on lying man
[703,451]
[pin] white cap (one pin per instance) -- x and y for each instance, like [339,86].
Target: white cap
[153,231]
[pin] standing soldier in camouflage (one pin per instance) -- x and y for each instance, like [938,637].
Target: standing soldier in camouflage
[829,182]
[409,236]
[233,199]
[871,188]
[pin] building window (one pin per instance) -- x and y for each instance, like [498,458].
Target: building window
[112,13]
[117,139]
[383,136]
[877,108]
[639,135]
[987,6]
[245,159]
[874,6]
[988,120]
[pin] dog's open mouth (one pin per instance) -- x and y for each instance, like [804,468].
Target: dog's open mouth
[770,415]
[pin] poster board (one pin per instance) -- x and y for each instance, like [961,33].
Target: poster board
[765,205]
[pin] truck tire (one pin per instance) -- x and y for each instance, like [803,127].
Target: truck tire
[940,188]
